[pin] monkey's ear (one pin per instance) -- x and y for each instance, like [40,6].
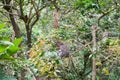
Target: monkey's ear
[57,43]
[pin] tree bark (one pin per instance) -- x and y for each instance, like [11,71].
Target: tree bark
[94,53]
[56,19]
[23,75]
[29,33]
[12,19]
[15,25]
[94,69]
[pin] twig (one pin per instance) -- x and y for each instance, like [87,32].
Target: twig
[89,47]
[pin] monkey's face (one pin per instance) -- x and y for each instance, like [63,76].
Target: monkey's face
[63,51]
[59,43]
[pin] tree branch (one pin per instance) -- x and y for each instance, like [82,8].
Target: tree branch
[106,13]
[94,52]
[21,9]
[12,19]
[37,16]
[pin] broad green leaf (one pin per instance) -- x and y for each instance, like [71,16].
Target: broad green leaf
[6,56]
[4,45]
[3,48]
[12,50]
[17,41]
[2,25]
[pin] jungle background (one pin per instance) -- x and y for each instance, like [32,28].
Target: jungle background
[31,29]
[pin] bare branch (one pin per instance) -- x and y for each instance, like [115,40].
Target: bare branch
[106,13]
[30,12]
[28,69]
[21,8]
[94,52]
[82,47]
[38,11]
[56,19]
[37,16]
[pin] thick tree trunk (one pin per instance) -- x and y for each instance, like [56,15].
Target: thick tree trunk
[12,18]
[15,25]
[29,39]
[29,33]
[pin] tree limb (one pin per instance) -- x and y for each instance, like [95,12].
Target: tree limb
[94,52]
[106,13]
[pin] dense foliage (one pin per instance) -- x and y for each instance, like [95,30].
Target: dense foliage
[31,30]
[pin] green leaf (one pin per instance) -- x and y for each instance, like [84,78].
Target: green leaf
[42,54]
[57,61]
[12,50]
[6,56]
[17,41]
[3,48]
[91,55]
[2,25]
[6,43]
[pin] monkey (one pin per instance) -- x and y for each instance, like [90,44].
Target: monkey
[63,49]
